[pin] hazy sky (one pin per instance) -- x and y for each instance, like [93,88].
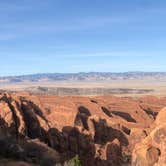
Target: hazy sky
[39,36]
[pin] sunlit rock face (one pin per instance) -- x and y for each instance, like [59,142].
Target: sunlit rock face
[103,130]
[151,151]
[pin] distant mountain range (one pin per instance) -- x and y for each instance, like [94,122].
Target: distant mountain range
[91,76]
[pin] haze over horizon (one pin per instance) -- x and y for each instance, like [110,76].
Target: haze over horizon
[87,73]
[82,36]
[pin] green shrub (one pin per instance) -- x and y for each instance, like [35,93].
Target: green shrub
[75,161]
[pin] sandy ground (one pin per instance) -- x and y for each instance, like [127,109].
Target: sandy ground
[158,87]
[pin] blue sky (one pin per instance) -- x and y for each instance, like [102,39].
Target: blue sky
[40,36]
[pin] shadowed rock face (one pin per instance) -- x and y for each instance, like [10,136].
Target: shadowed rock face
[82,117]
[101,130]
[124,115]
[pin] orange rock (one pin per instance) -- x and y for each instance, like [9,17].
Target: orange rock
[161,118]
[152,150]
[98,129]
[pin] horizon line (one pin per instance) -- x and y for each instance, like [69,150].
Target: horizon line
[104,72]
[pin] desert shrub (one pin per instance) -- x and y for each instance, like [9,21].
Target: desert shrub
[75,161]
[126,157]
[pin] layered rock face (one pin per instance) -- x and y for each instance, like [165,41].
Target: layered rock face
[102,131]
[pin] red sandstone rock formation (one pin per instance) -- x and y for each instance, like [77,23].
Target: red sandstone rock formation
[152,150]
[101,130]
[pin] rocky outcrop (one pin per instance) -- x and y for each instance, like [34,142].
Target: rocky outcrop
[100,130]
[152,150]
[152,105]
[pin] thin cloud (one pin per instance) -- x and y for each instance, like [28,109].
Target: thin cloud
[49,27]
[64,25]
[116,54]
[74,25]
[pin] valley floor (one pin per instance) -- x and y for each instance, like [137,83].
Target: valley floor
[132,88]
